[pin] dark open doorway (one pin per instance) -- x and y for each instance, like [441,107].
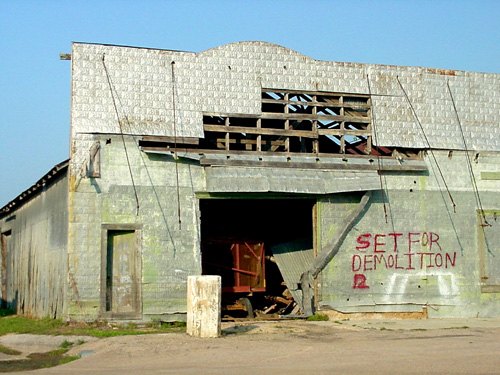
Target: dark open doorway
[237,238]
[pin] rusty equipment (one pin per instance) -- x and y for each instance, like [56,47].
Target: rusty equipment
[241,264]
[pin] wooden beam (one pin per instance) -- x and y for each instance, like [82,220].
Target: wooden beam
[327,103]
[315,127]
[293,116]
[236,115]
[311,117]
[279,142]
[262,131]
[287,127]
[310,165]
[178,140]
[259,137]
[226,125]
[342,132]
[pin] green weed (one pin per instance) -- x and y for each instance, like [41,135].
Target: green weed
[20,324]
[317,317]
[66,344]
[47,326]
[8,351]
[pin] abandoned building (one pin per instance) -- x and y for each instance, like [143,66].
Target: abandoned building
[307,185]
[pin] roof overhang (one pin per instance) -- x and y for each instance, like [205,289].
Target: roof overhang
[46,180]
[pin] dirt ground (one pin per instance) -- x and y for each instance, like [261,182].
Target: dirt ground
[301,347]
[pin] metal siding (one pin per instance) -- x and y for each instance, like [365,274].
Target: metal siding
[293,259]
[38,251]
[288,180]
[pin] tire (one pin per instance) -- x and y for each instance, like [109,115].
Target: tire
[247,305]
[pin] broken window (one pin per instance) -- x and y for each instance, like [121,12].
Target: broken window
[291,121]
[339,123]
[297,122]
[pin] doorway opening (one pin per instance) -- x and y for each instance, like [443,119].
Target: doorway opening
[243,241]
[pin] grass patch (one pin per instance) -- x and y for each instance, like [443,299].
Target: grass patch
[19,324]
[318,317]
[66,344]
[8,351]
[47,326]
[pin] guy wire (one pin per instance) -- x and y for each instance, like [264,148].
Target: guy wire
[121,132]
[469,163]
[428,144]
[379,161]
[175,146]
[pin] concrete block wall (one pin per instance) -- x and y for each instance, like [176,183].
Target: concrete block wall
[448,283]
[369,274]
[169,249]
[228,79]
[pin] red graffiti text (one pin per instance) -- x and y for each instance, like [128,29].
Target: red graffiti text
[398,251]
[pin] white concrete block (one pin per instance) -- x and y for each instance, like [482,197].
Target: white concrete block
[204,306]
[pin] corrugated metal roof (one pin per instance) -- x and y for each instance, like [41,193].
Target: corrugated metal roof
[293,258]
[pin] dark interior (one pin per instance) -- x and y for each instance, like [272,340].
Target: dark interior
[225,222]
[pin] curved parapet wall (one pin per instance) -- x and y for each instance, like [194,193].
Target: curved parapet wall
[144,87]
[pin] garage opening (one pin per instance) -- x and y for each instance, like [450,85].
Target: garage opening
[244,240]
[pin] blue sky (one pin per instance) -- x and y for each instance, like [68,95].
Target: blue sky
[35,84]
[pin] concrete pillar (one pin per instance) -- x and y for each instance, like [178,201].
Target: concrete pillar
[203,306]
